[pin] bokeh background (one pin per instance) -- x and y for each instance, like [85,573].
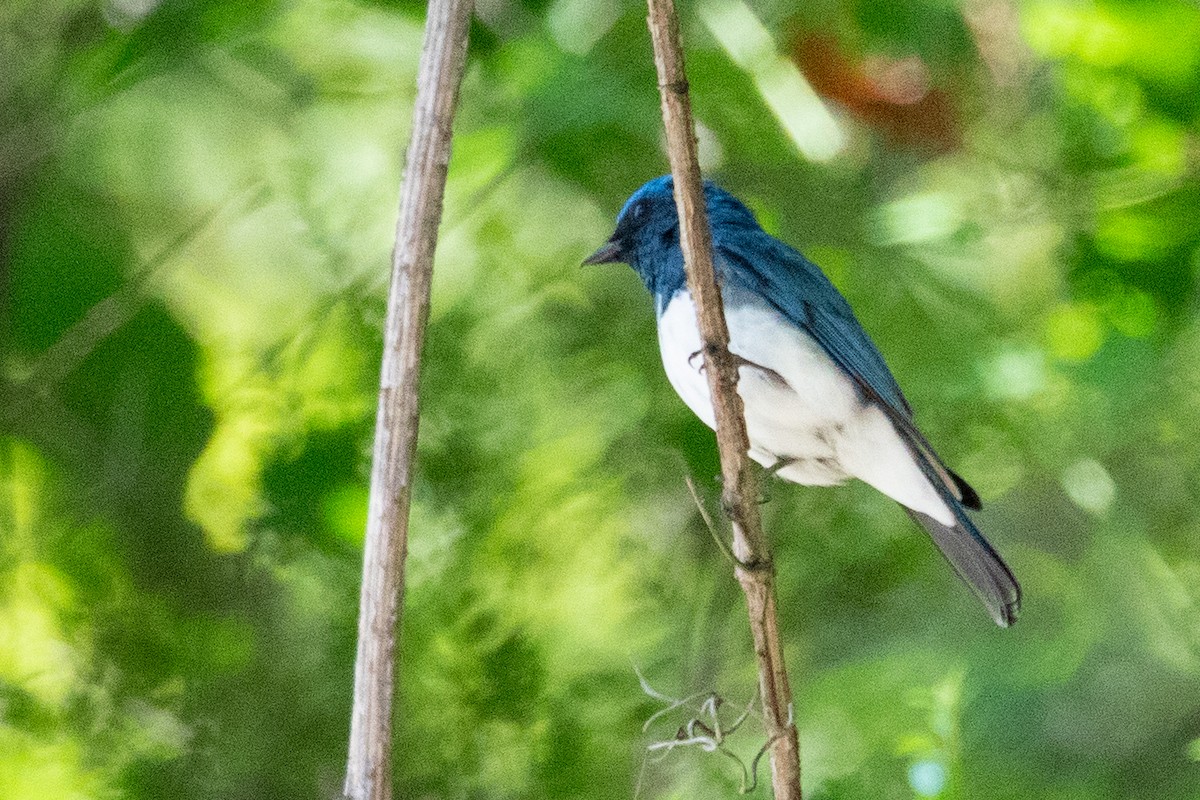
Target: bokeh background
[196,212]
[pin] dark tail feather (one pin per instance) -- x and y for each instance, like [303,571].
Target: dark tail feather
[970,498]
[979,566]
[975,561]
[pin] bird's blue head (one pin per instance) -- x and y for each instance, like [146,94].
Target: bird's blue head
[647,234]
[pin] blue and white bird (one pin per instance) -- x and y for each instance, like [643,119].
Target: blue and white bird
[821,405]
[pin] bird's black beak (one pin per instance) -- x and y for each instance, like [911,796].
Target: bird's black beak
[609,253]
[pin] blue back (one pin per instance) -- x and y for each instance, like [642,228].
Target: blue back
[798,289]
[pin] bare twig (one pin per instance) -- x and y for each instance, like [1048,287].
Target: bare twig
[706,518]
[443,59]
[740,484]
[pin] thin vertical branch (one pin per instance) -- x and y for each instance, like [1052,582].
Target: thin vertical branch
[755,573]
[443,59]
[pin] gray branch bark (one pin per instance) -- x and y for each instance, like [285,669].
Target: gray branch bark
[755,573]
[443,60]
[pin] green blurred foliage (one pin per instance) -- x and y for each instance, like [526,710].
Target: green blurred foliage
[196,210]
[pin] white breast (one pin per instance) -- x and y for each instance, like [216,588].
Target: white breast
[814,416]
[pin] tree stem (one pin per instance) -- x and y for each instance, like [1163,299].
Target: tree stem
[443,60]
[740,495]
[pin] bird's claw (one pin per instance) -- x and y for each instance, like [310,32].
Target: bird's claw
[738,362]
[764,487]
[780,463]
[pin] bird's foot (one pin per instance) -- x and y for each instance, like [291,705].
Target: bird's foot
[780,463]
[764,487]
[739,362]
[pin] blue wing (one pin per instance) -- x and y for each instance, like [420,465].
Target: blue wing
[800,291]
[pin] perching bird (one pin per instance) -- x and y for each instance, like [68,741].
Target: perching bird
[821,405]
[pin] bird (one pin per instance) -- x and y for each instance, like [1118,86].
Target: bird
[821,405]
